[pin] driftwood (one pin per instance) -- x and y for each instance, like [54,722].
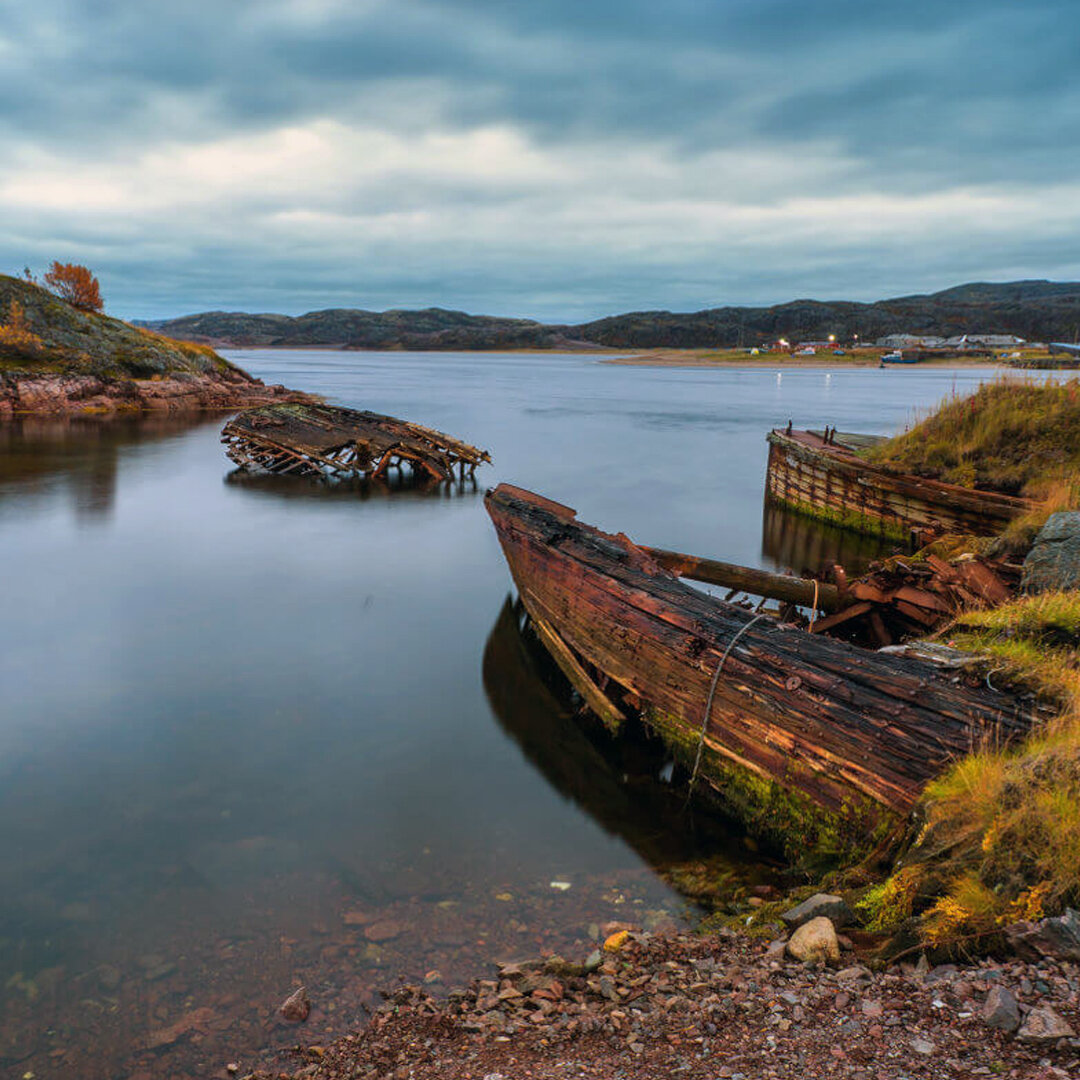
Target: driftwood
[823,476]
[329,441]
[833,723]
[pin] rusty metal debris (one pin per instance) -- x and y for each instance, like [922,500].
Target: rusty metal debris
[337,443]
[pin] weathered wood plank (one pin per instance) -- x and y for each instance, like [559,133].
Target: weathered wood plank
[563,655]
[334,441]
[807,473]
[814,714]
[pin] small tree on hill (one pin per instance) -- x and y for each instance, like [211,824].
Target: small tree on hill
[76,285]
[16,335]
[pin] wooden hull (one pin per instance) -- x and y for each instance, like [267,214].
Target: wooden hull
[330,441]
[831,482]
[809,730]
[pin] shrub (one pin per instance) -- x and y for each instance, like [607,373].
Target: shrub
[16,335]
[76,285]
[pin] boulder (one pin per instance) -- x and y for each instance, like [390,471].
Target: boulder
[831,907]
[1057,938]
[1000,1010]
[1054,560]
[815,941]
[1043,1025]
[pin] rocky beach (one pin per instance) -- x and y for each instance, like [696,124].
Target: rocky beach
[721,1006]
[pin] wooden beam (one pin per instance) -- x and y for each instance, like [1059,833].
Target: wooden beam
[794,590]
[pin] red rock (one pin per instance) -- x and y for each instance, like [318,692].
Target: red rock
[296,1007]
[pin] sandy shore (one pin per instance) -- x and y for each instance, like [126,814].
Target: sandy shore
[779,362]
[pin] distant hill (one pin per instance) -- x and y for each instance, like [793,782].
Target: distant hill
[1035,310]
[431,328]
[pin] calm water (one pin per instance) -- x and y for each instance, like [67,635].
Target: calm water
[255,734]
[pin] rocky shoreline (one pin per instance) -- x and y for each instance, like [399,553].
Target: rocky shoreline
[71,394]
[709,1007]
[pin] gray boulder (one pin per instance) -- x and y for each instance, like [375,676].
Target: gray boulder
[1054,561]
[1057,938]
[820,905]
[1001,1010]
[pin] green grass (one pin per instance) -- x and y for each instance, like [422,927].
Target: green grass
[1016,435]
[68,340]
[1002,833]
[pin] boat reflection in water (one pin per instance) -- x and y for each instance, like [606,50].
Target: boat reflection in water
[627,784]
[806,547]
[397,483]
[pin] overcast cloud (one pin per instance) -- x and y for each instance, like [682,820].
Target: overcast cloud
[551,158]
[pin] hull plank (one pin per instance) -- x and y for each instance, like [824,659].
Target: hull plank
[854,733]
[829,480]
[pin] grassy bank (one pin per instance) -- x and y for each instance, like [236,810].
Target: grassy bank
[1001,837]
[1016,435]
[42,334]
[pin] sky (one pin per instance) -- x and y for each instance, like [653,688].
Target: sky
[555,159]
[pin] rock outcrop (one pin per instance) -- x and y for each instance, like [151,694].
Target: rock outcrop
[1054,560]
[72,361]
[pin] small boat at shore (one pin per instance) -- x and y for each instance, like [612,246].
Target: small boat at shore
[821,743]
[823,475]
[329,441]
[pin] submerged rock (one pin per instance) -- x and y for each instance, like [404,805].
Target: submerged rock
[296,1007]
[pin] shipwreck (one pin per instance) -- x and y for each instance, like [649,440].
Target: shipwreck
[820,743]
[820,473]
[332,442]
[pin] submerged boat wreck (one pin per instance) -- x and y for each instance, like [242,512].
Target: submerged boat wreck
[334,442]
[813,740]
[821,474]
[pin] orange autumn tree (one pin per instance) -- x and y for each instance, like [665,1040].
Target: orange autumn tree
[76,285]
[16,334]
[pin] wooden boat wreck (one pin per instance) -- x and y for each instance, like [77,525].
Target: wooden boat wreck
[817,742]
[333,442]
[822,474]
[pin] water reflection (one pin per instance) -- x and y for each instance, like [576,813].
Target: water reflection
[807,547]
[614,780]
[400,484]
[80,455]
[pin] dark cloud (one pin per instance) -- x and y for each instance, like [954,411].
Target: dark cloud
[761,104]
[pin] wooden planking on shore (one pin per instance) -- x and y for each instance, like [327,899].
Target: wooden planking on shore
[829,480]
[844,728]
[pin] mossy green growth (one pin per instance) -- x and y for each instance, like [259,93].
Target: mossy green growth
[850,520]
[812,837]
